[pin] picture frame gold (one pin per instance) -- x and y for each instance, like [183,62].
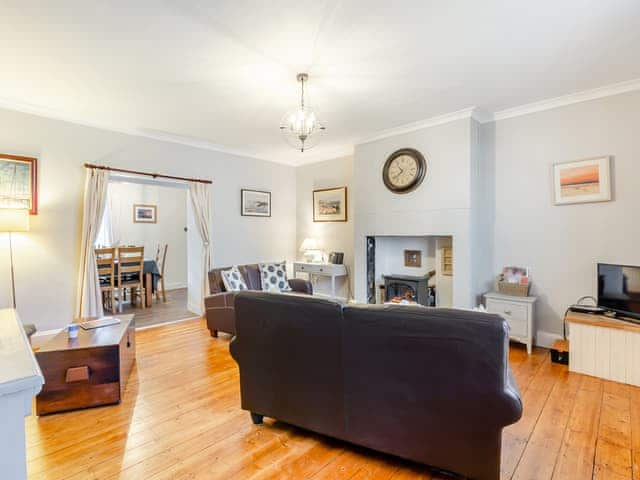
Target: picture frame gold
[413,258]
[330,205]
[145,213]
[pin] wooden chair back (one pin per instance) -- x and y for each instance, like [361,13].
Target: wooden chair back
[130,263]
[162,258]
[105,261]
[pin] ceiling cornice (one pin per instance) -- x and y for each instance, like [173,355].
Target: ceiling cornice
[319,155]
[564,100]
[44,112]
[412,127]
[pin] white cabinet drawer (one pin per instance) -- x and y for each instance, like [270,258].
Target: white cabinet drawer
[516,315]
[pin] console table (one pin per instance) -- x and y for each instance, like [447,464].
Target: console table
[604,347]
[20,381]
[331,270]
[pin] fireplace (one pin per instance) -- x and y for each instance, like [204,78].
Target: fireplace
[411,288]
[391,277]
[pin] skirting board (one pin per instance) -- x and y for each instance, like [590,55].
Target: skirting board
[546,339]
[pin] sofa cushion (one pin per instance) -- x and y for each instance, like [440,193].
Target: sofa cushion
[232,279]
[274,277]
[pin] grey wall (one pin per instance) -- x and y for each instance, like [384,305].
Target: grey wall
[333,236]
[562,244]
[46,258]
[441,206]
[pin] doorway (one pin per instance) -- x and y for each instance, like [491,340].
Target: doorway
[152,214]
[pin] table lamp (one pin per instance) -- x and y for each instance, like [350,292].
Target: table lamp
[13,220]
[311,249]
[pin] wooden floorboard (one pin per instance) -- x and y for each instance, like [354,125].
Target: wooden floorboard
[175,308]
[180,419]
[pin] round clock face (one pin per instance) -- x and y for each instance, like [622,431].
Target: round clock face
[404,170]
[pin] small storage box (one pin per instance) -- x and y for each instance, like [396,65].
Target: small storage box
[515,289]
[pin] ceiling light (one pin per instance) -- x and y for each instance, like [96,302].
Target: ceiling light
[301,128]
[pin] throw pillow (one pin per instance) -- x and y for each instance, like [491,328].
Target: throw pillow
[274,277]
[232,279]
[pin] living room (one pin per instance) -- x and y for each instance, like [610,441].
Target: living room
[428,157]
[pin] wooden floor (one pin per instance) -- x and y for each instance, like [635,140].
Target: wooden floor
[180,419]
[175,308]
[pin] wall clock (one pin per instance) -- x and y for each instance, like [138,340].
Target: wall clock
[404,170]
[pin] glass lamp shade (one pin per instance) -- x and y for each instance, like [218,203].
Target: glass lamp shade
[301,129]
[14,220]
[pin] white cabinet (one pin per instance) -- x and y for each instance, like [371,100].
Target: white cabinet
[519,314]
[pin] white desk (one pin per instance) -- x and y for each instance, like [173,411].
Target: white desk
[20,380]
[322,269]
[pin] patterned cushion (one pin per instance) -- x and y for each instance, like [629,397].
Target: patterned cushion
[274,277]
[232,279]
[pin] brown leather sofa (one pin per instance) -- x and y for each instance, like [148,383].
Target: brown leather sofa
[219,308]
[429,385]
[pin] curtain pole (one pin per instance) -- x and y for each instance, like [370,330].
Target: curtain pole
[154,175]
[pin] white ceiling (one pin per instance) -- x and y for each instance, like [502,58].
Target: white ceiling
[223,72]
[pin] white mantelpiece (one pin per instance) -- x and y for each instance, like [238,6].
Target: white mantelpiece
[20,380]
[453,200]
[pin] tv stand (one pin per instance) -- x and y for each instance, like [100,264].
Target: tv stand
[604,347]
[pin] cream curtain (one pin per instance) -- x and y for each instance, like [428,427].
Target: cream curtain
[95,201]
[200,197]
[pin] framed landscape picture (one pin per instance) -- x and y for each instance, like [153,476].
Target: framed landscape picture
[18,182]
[412,258]
[255,203]
[582,181]
[330,205]
[145,213]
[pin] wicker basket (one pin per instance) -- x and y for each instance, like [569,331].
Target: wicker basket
[515,289]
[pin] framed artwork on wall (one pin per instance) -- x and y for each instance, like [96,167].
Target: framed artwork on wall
[330,205]
[19,182]
[255,203]
[145,213]
[582,181]
[412,258]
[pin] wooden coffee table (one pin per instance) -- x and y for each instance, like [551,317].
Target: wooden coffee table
[88,371]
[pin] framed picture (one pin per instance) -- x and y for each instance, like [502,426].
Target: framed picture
[412,258]
[582,181]
[330,205]
[255,203]
[145,213]
[19,182]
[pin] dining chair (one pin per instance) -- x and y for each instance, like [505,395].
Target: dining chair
[161,261]
[131,274]
[105,261]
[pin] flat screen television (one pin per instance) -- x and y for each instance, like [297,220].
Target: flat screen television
[619,289]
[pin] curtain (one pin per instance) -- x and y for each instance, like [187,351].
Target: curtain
[200,197]
[95,200]
[105,232]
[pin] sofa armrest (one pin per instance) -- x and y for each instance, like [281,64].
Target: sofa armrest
[219,300]
[512,404]
[220,312]
[301,286]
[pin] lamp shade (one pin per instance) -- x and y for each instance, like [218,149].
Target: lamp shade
[309,244]
[14,220]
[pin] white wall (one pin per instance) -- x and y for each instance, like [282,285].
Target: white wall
[562,244]
[333,236]
[171,203]
[390,256]
[46,258]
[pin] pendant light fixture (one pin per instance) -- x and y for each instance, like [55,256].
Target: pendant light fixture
[301,128]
